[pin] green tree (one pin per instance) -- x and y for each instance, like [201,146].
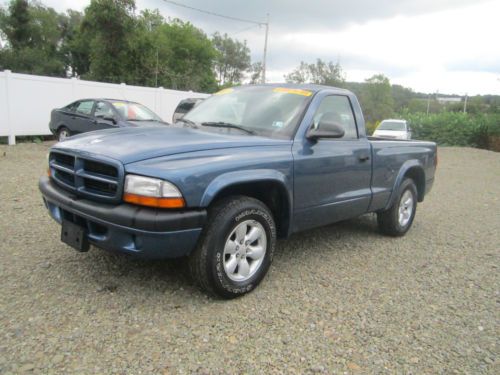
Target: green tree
[321,73]
[299,75]
[171,54]
[75,46]
[401,97]
[16,24]
[109,42]
[34,35]
[109,25]
[256,73]
[376,98]
[232,59]
[191,54]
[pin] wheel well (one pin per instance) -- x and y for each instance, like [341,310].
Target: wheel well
[418,176]
[271,193]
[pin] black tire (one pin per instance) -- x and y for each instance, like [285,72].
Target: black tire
[388,221]
[206,263]
[63,130]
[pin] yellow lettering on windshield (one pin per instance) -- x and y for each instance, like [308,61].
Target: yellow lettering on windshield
[293,91]
[224,91]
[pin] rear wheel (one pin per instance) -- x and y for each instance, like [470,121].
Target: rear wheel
[236,248]
[397,220]
[63,133]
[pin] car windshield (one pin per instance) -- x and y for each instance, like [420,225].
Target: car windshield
[135,111]
[392,125]
[262,110]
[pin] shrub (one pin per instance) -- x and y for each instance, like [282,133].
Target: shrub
[455,129]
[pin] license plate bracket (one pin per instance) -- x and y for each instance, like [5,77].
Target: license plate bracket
[75,236]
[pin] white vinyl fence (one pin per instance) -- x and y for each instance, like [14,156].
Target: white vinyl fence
[26,100]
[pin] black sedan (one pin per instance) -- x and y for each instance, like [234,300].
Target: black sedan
[95,114]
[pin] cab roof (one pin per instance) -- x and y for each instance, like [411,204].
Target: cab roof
[302,86]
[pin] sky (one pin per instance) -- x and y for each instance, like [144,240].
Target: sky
[445,46]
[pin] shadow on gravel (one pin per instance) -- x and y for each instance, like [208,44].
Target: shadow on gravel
[141,278]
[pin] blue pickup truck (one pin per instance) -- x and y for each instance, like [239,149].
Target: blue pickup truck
[246,166]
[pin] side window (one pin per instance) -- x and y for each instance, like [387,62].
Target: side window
[337,108]
[85,107]
[103,109]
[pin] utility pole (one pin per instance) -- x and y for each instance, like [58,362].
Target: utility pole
[428,103]
[156,71]
[465,103]
[265,51]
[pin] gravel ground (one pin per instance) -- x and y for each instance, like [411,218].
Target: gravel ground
[339,299]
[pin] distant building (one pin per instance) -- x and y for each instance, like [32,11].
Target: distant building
[446,100]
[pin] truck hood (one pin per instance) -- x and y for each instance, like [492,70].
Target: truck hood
[129,145]
[146,123]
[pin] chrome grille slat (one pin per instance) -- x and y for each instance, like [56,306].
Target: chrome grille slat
[93,176]
[103,181]
[60,167]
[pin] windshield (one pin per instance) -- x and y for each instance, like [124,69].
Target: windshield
[262,110]
[135,112]
[392,125]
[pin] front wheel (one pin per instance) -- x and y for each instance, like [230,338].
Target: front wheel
[397,220]
[236,248]
[63,133]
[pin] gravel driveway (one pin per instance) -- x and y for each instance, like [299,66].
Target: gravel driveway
[337,299]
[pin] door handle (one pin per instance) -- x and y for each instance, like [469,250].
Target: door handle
[364,158]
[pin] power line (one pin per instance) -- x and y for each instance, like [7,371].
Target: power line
[215,14]
[243,30]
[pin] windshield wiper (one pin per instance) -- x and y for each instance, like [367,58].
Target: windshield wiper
[222,124]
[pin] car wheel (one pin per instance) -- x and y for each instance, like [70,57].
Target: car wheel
[236,248]
[63,133]
[397,220]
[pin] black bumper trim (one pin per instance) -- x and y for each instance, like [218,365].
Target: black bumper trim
[127,215]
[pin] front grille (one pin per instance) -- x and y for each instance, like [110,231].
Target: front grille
[66,177]
[96,179]
[99,186]
[64,159]
[100,168]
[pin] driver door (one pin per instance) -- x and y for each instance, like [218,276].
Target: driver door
[331,175]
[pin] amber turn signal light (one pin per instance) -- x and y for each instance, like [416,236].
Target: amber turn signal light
[153,201]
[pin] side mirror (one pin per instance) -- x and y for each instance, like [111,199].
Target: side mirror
[108,118]
[326,129]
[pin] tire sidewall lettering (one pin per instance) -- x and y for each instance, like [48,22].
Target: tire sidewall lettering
[220,274]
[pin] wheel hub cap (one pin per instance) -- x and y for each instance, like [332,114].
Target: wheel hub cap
[245,250]
[405,208]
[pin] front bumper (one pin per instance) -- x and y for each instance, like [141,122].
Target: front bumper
[146,232]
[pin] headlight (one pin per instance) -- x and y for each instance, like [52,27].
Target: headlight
[152,192]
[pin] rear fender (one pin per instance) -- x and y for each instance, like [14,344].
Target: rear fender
[409,164]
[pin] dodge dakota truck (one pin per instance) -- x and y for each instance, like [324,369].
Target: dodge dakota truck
[246,166]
